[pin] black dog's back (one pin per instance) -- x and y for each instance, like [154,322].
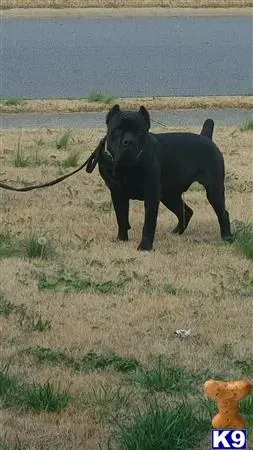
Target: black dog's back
[186,147]
[187,157]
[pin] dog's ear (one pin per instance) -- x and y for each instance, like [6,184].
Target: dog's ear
[115,109]
[145,114]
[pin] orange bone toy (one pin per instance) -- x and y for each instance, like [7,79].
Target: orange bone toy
[227,394]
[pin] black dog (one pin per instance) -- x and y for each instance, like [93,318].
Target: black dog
[137,164]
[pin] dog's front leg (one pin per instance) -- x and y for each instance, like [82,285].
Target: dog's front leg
[148,232]
[151,204]
[121,207]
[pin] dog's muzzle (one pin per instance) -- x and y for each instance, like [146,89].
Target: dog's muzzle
[116,161]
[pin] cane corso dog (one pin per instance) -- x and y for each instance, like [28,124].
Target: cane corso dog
[137,164]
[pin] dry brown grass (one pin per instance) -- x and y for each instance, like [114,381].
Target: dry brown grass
[30,13]
[138,322]
[155,103]
[124,3]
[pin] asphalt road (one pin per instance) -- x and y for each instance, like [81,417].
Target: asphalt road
[168,56]
[224,117]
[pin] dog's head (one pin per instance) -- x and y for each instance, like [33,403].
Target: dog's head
[127,132]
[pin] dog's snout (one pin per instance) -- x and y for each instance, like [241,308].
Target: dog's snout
[127,141]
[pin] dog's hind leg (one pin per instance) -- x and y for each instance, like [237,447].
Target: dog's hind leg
[121,207]
[180,209]
[216,197]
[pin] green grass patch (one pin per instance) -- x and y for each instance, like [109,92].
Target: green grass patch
[38,324]
[89,362]
[98,96]
[67,281]
[247,126]
[94,360]
[9,246]
[169,289]
[245,367]
[164,429]
[38,247]
[165,378]
[51,357]
[247,284]
[31,322]
[246,409]
[72,160]
[44,398]
[182,425]
[34,397]
[6,307]
[34,247]
[13,101]
[107,400]
[9,387]
[24,319]
[244,237]
[6,445]
[20,160]
[63,141]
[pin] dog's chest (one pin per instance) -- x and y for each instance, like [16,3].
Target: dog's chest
[132,182]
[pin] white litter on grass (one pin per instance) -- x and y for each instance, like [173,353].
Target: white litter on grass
[42,241]
[183,333]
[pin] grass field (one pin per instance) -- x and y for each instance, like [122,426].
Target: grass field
[98,101]
[123,3]
[89,355]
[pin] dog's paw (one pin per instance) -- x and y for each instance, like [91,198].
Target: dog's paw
[178,230]
[229,238]
[175,230]
[144,245]
[122,237]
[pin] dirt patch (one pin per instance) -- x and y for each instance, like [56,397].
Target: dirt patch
[155,103]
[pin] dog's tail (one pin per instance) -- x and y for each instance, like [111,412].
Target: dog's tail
[207,129]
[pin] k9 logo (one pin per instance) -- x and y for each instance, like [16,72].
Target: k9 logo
[229,439]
